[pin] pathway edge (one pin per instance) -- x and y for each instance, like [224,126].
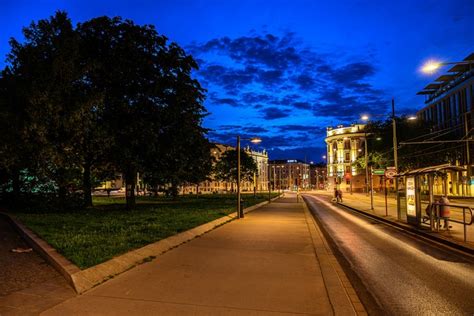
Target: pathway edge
[342,295]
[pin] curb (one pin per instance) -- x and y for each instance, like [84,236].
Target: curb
[417,232]
[343,298]
[65,267]
[84,280]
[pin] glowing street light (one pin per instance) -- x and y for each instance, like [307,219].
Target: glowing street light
[432,65]
[364,117]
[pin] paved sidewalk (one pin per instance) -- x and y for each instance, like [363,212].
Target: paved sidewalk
[273,261]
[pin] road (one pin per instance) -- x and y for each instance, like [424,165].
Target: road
[403,274]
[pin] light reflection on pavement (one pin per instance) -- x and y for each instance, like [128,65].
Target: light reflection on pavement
[405,275]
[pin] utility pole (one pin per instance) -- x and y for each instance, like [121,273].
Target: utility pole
[395,155]
[468,158]
[366,163]
[239,211]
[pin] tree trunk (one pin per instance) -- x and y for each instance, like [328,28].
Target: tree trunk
[174,191]
[87,185]
[130,183]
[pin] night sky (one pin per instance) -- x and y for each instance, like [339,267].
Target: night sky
[284,70]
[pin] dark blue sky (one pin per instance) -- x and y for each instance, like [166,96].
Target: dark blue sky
[284,70]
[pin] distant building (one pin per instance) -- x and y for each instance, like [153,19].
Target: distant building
[260,179]
[449,107]
[290,174]
[344,145]
[318,176]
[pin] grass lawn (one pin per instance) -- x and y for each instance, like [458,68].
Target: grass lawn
[98,234]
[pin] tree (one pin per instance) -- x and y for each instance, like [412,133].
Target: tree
[149,99]
[107,95]
[48,98]
[226,166]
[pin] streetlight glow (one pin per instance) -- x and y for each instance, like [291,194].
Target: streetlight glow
[430,66]
[364,117]
[411,118]
[255,140]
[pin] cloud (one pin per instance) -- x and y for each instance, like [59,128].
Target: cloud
[301,128]
[302,105]
[273,113]
[267,70]
[283,81]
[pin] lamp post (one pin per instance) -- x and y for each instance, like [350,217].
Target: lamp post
[255,140]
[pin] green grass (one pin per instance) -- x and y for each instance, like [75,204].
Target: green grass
[98,234]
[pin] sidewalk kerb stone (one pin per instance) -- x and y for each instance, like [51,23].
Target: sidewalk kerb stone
[341,294]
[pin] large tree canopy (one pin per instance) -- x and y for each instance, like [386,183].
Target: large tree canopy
[105,95]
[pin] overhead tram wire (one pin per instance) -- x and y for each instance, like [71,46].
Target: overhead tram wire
[450,129]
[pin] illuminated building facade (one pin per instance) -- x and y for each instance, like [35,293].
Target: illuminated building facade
[290,174]
[449,108]
[344,145]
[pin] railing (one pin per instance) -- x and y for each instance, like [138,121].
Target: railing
[446,88]
[435,217]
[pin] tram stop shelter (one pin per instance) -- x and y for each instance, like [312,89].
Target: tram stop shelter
[418,193]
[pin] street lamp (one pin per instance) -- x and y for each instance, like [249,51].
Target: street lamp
[432,65]
[255,140]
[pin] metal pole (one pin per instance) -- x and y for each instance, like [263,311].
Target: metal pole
[395,155]
[385,189]
[468,160]
[239,210]
[371,190]
[366,163]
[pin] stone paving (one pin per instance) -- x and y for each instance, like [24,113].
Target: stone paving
[28,285]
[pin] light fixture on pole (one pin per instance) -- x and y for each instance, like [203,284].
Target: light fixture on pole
[432,65]
[255,140]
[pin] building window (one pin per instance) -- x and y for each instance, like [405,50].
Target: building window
[348,157]
[347,144]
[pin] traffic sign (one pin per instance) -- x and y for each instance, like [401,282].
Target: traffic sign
[390,173]
[378,172]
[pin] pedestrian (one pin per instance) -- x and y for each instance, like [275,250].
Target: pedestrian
[340,195]
[444,211]
[336,195]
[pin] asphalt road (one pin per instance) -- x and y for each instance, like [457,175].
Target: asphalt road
[403,274]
